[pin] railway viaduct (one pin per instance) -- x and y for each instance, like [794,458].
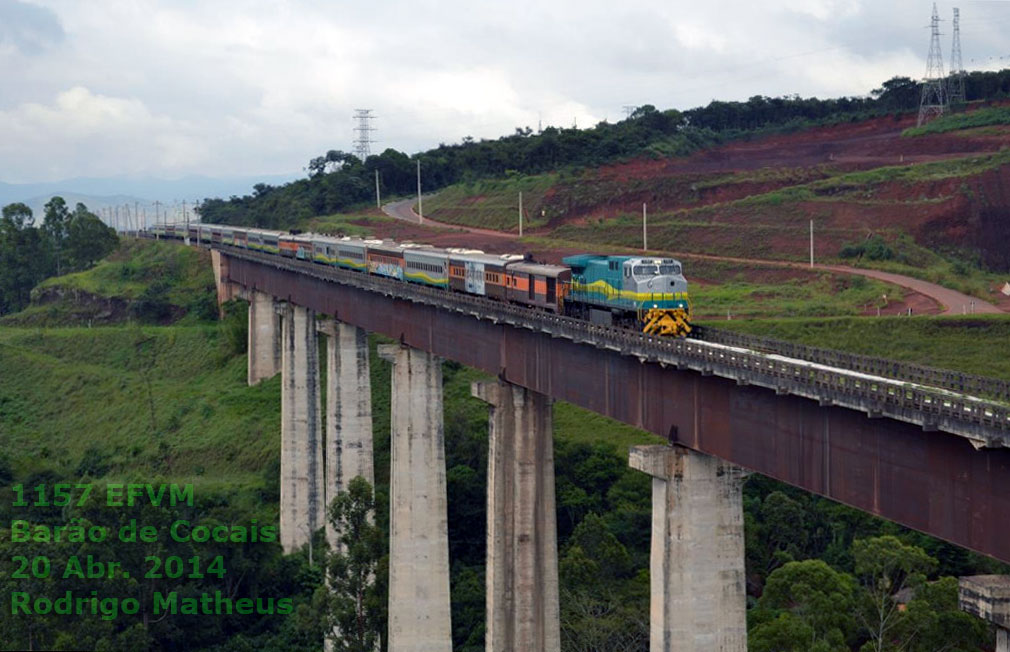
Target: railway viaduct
[917,450]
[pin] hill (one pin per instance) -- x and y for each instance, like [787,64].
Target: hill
[142,280]
[943,191]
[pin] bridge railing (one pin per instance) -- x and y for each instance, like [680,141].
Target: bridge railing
[907,371]
[984,422]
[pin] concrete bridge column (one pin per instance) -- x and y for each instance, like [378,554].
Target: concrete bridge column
[348,411]
[301,430]
[226,291]
[264,338]
[522,547]
[988,597]
[419,616]
[698,598]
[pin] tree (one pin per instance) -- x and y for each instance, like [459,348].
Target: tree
[55,224]
[885,566]
[602,604]
[24,261]
[88,239]
[898,94]
[17,216]
[806,605]
[354,606]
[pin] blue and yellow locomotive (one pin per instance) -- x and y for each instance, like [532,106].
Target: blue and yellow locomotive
[645,293]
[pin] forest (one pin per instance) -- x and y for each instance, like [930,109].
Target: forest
[64,242]
[337,180]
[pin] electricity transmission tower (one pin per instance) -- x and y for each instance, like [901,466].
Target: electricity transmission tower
[934,95]
[955,83]
[362,142]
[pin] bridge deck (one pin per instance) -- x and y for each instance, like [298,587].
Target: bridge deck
[815,430]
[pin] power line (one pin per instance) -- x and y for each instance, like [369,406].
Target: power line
[362,142]
[934,96]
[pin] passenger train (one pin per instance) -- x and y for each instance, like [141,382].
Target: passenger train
[640,292]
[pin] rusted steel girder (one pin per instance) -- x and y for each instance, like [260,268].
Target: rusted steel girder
[934,482]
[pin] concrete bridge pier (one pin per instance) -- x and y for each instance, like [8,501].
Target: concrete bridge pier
[698,598]
[301,430]
[264,338]
[419,615]
[226,291]
[348,411]
[522,546]
[988,597]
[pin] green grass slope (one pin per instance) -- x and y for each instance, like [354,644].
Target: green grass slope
[143,280]
[168,401]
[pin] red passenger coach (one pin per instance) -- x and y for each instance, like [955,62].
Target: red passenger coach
[543,286]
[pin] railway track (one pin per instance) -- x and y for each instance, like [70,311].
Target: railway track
[973,407]
[909,372]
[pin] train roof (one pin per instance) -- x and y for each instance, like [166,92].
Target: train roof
[488,259]
[584,259]
[426,250]
[537,268]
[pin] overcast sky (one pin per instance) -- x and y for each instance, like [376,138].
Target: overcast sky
[167,88]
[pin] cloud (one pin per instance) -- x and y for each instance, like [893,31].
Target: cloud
[83,133]
[172,87]
[28,28]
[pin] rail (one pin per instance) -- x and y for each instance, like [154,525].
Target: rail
[904,371]
[985,423]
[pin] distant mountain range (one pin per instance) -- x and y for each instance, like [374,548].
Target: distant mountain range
[103,196]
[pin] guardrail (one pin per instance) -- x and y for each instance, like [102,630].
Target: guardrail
[985,423]
[904,371]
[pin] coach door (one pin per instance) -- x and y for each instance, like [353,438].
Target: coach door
[474,277]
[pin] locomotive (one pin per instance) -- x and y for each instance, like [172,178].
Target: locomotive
[646,293]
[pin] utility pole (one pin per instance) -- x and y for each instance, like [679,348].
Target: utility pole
[185,217]
[933,102]
[157,205]
[628,110]
[136,215]
[520,213]
[420,210]
[378,200]
[645,232]
[811,243]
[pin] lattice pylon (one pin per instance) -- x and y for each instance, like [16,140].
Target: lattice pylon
[363,141]
[934,93]
[955,83]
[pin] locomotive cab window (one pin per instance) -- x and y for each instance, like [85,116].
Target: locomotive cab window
[646,270]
